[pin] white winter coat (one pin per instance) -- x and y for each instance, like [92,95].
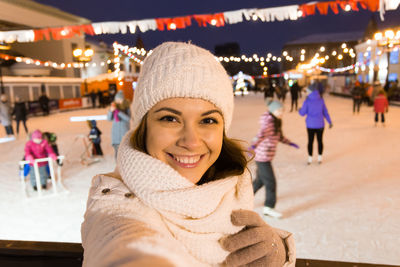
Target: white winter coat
[152,216]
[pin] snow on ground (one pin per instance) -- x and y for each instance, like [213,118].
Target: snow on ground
[345,209]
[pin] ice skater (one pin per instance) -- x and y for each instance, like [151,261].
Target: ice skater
[264,146]
[315,109]
[381,106]
[119,114]
[94,137]
[357,94]
[20,113]
[38,148]
[5,116]
[295,91]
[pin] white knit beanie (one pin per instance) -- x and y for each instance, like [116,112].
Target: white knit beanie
[176,69]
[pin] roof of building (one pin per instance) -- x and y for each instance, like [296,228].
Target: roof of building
[328,38]
[28,13]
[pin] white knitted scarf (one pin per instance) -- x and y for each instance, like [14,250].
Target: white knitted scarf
[197,216]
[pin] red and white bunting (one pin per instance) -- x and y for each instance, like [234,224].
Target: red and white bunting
[291,12]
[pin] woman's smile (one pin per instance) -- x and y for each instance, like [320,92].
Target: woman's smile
[187,161]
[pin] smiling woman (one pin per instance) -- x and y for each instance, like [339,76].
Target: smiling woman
[181,194]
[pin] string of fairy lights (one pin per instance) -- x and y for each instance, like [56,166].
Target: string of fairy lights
[138,55]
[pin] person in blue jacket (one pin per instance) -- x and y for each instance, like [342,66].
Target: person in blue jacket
[119,114]
[315,109]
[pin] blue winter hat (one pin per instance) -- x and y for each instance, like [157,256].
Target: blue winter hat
[274,105]
[93,122]
[119,95]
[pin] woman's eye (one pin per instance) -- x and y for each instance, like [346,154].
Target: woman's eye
[209,121]
[168,118]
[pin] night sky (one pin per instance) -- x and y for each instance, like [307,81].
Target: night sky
[253,37]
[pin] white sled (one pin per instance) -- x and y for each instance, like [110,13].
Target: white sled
[56,182]
[86,157]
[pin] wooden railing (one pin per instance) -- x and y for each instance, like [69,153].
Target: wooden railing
[54,254]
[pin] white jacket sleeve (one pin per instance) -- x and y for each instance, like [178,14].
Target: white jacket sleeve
[111,237]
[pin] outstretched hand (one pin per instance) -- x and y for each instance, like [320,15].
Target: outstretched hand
[257,244]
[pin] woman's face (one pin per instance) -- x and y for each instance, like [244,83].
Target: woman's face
[185,133]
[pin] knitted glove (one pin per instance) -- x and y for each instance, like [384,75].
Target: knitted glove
[251,148]
[330,126]
[30,159]
[294,145]
[257,244]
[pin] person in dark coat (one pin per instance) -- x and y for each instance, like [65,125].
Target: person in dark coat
[294,93]
[315,109]
[93,98]
[94,137]
[20,113]
[44,104]
[101,99]
[357,94]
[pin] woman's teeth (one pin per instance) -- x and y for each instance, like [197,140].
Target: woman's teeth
[187,160]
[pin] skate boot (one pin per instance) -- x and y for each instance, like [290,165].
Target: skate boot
[309,160]
[271,212]
[319,159]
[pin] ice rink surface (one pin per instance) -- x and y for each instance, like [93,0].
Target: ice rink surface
[346,209]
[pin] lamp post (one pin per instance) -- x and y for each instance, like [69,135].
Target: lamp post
[83,56]
[387,40]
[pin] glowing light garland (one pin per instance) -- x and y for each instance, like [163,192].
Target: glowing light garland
[337,70]
[51,64]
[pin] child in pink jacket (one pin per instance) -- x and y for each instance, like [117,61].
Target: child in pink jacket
[264,146]
[37,148]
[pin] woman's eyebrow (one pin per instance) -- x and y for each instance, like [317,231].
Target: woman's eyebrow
[170,110]
[212,111]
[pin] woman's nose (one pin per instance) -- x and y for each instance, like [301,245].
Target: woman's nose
[189,137]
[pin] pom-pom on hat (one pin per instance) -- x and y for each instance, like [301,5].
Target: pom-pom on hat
[176,69]
[119,95]
[37,134]
[274,106]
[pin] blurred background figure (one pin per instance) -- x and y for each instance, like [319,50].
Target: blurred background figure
[94,137]
[315,109]
[381,106]
[44,104]
[119,114]
[93,97]
[357,94]
[295,92]
[5,116]
[20,113]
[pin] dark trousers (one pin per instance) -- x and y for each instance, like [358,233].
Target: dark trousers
[24,123]
[382,117]
[356,105]
[294,103]
[311,133]
[96,150]
[9,129]
[266,177]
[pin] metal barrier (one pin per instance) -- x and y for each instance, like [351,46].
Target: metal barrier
[49,254]
[37,174]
